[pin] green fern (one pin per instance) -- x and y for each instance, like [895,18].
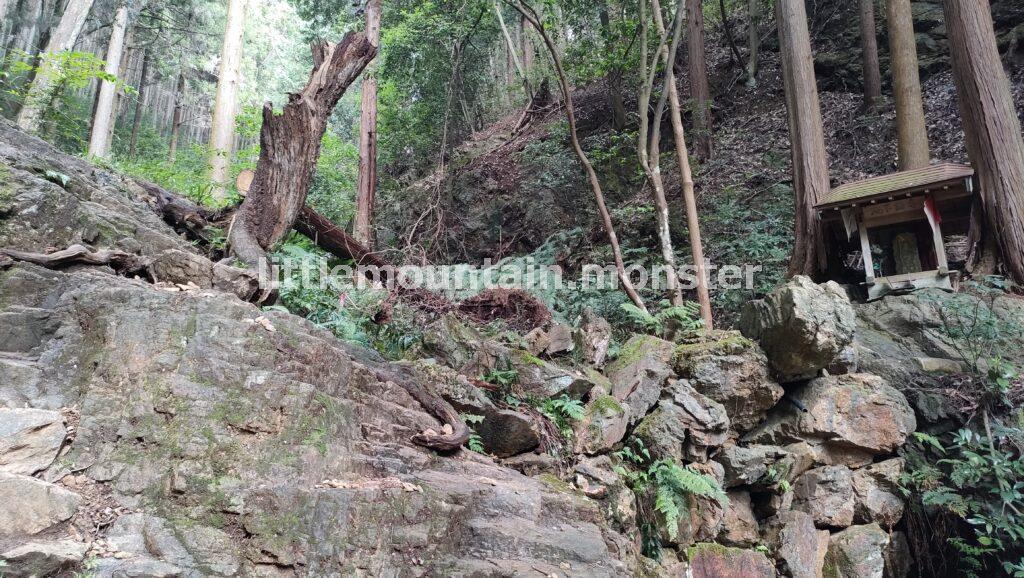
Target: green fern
[475,443]
[669,319]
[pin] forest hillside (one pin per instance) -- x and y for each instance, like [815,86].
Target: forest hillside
[720,288]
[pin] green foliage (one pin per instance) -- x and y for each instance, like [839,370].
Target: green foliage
[667,485]
[502,377]
[669,320]
[562,411]
[475,443]
[973,327]
[978,479]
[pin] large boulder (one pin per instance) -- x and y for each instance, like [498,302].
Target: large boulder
[877,493]
[685,425]
[763,467]
[826,493]
[29,439]
[639,372]
[739,527]
[857,552]
[856,412]
[715,561]
[798,544]
[593,337]
[603,426]
[732,370]
[803,327]
[43,558]
[29,506]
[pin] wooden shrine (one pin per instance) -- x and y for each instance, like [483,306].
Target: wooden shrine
[899,225]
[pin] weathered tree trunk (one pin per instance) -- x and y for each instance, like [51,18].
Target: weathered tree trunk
[906,82]
[289,148]
[133,144]
[176,117]
[753,41]
[527,47]
[613,79]
[649,137]
[700,92]
[993,131]
[869,55]
[810,163]
[689,198]
[222,127]
[41,93]
[537,22]
[99,139]
[367,184]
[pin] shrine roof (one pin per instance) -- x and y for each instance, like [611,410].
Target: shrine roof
[902,183]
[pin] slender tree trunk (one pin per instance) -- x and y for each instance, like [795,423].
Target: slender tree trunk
[810,162]
[222,128]
[613,79]
[176,117]
[649,137]
[689,197]
[994,141]
[63,38]
[133,144]
[534,19]
[869,55]
[753,41]
[367,185]
[512,55]
[527,49]
[99,140]
[700,92]
[906,83]
[289,148]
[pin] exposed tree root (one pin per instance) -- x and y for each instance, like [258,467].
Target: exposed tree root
[518,308]
[120,261]
[436,406]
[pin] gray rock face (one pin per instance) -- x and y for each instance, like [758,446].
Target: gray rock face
[877,493]
[858,412]
[714,561]
[739,528]
[604,424]
[684,425]
[43,558]
[29,439]
[28,505]
[826,493]
[733,371]
[593,337]
[761,466]
[271,416]
[802,327]
[858,551]
[639,373]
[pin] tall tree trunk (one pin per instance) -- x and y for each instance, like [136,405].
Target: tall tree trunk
[869,55]
[536,21]
[99,140]
[700,92]
[689,197]
[63,38]
[176,117]
[512,54]
[222,128]
[906,84]
[133,144]
[614,78]
[527,48]
[993,131]
[367,185]
[810,163]
[289,148]
[753,41]
[649,134]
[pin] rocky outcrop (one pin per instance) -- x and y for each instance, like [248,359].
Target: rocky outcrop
[858,551]
[43,558]
[733,371]
[29,506]
[802,327]
[29,439]
[714,561]
[826,493]
[684,425]
[799,545]
[640,371]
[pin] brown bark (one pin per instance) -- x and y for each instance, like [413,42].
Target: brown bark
[700,91]
[366,189]
[140,100]
[289,148]
[753,41]
[906,85]
[869,55]
[595,184]
[807,142]
[120,261]
[994,141]
[176,118]
[334,239]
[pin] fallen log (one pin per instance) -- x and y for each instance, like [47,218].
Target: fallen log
[180,213]
[334,239]
[120,261]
